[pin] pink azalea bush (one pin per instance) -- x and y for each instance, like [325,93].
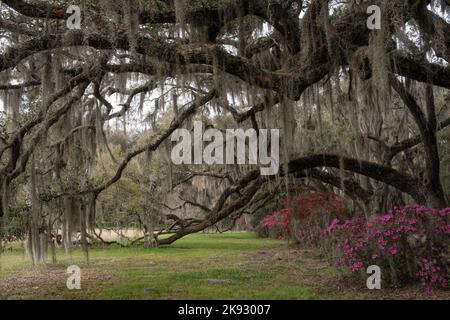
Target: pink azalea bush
[408,243]
[277,223]
[303,217]
[311,212]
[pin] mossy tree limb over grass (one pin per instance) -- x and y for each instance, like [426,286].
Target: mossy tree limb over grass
[86,111]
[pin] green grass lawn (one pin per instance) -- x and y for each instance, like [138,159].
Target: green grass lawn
[235,265]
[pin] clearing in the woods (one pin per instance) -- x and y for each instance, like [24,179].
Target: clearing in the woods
[233,265]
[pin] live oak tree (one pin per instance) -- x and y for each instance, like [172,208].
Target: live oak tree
[360,110]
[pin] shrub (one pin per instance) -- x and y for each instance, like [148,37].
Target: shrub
[312,211]
[259,215]
[303,218]
[408,243]
[277,223]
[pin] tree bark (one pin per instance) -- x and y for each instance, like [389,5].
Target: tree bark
[432,188]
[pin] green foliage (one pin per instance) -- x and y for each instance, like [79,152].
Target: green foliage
[14,225]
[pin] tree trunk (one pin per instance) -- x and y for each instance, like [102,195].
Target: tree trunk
[1,230]
[427,124]
[83,227]
[434,191]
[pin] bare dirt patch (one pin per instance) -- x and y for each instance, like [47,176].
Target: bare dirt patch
[50,282]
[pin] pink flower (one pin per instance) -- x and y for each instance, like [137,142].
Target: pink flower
[393,250]
[356,266]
